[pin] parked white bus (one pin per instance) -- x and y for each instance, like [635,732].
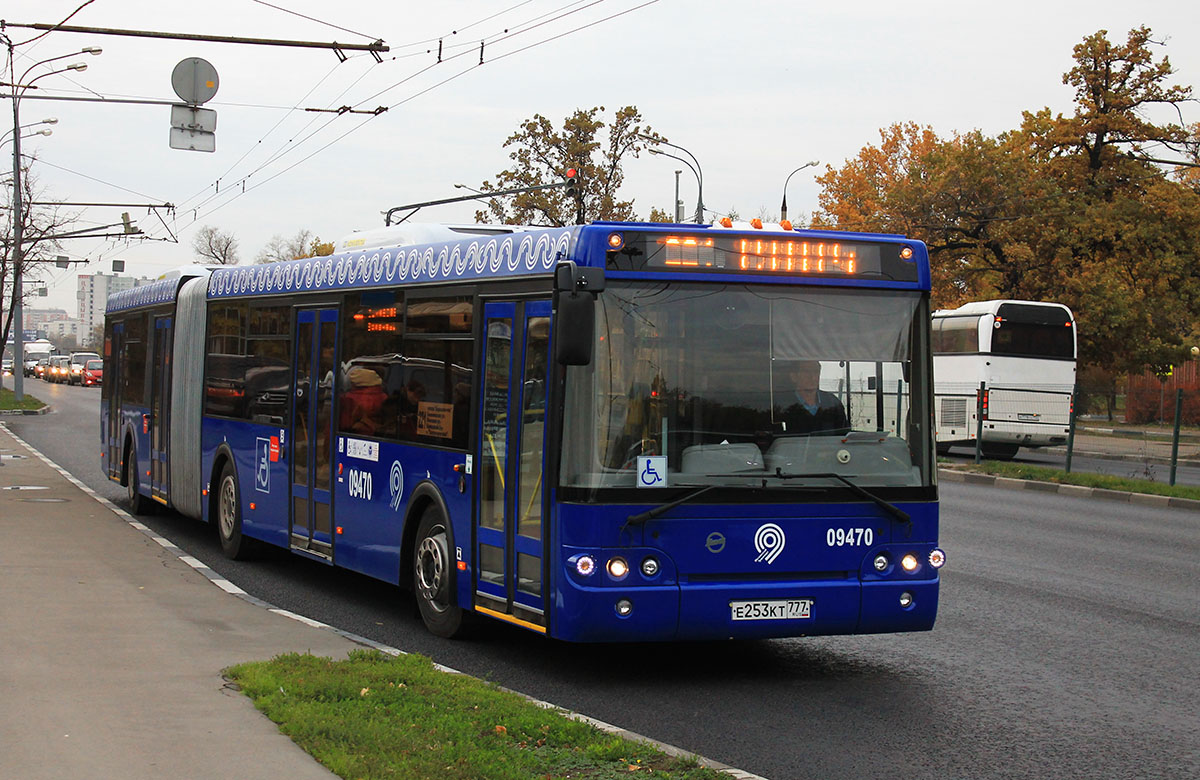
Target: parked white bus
[1024,352]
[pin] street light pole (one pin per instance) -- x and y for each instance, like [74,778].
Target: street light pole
[678,202]
[17,216]
[692,168]
[783,207]
[695,169]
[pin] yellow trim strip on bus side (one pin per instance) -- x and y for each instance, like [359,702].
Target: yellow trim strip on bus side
[510,619]
[162,501]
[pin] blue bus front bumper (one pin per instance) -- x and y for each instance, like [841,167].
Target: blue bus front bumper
[703,611]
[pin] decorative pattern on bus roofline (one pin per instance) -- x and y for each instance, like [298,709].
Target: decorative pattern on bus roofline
[162,291]
[487,256]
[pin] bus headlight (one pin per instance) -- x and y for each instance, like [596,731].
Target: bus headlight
[585,565]
[881,562]
[909,563]
[617,568]
[937,558]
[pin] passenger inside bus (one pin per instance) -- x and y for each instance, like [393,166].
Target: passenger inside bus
[362,404]
[806,408]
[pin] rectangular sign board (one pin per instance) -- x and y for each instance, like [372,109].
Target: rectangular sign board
[193,140]
[192,118]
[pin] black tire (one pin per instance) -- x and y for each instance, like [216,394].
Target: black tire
[433,578]
[138,504]
[1000,451]
[228,517]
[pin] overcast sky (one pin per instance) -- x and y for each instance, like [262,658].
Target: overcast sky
[753,89]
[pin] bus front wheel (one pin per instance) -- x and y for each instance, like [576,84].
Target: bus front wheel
[229,516]
[433,572]
[138,504]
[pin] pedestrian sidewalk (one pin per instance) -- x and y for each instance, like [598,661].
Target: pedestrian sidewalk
[113,646]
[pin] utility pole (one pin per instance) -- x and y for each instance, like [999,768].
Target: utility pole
[678,202]
[18,309]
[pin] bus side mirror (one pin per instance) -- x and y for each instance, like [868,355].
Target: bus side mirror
[575,291]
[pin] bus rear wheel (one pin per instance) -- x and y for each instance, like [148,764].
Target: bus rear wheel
[229,517]
[433,574]
[1000,451]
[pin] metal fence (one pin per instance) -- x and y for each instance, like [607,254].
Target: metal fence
[1075,442]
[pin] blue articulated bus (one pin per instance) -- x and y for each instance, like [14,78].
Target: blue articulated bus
[605,432]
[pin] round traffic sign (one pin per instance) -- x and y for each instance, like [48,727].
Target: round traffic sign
[194,80]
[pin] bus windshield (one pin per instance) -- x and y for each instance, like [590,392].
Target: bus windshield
[735,383]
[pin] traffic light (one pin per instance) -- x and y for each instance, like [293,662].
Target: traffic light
[571,182]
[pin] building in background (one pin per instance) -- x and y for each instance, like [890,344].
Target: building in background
[37,319]
[93,293]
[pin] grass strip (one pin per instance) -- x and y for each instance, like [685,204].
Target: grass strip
[8,401]
[1103,481]
[378,716]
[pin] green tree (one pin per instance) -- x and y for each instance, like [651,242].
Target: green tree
[542,154]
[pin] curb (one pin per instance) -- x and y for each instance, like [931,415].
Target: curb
[232,589]
[1141,499]
[15,412]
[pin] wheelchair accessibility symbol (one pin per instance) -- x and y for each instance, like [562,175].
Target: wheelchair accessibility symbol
[651,471]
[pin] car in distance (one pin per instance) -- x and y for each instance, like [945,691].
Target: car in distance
[75,366]
[59,369]
[93,373]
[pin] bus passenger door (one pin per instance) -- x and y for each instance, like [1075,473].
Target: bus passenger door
[113,381]
[312,430]
[160,403]
[510,526]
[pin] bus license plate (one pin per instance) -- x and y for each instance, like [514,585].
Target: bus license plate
[772,609]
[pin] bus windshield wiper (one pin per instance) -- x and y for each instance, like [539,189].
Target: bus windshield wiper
[650,514]
[888,507]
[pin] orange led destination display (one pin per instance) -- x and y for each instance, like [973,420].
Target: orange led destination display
[763,255]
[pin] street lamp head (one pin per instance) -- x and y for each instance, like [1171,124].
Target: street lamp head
[52,120]
[44,131]
[78,66]
[95,51]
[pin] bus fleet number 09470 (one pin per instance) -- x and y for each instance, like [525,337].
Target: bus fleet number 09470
[849,537]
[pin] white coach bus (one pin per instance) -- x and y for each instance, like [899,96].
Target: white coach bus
[1024,353]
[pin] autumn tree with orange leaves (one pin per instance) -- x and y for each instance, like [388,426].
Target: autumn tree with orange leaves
[1077,209]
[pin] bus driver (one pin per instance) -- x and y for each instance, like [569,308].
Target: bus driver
[806,408]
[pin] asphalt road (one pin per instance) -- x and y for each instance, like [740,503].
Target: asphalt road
[1066,646]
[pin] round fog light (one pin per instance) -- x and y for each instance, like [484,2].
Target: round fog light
[881,562]
[624,607]
[937,558]
[618,568]
[649,567]
[585,565]
[909,562]
[906,599]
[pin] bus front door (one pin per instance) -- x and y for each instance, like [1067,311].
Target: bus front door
[312,430]
[509,524]
[113,382]
[160,403]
